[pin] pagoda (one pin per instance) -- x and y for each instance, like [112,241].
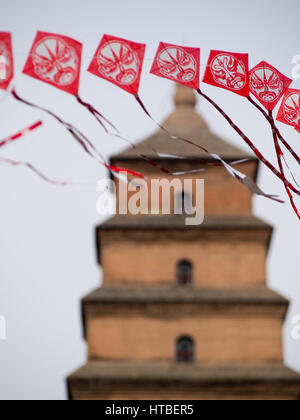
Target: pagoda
[184,311]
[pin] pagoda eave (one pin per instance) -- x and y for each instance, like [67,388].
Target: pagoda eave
[166,380]
[152,301]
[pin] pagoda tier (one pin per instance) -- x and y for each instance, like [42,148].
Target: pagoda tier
[148,248]
[245,323]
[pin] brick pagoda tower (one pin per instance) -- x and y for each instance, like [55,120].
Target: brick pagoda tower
[184,311]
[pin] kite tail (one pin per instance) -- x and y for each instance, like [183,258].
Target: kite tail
[279,155]
[118,134]
[72,130]
[99,117]
[35,170]
[20,134]
[142,156]
[81,138]
[279,135]
[249,143]
[127,171]
[140,102]
[270,119]
[242,178]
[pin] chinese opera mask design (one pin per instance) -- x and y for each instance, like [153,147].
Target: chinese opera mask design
[177,64]
[291,109]
[55,61]
[229,72]
[266,84]
[118,62]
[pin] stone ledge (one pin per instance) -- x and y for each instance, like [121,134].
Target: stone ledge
[170,381]
[185,294]
[126,370]
[166,222]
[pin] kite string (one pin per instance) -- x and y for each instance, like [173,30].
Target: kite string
[246,181]
[27,164]
[81,138]
[279,135]
[249,142]
[35,170]
[99,117]
[130,142]
[271,121]
[117,133]
[279,158]
[289,169]
[120,136]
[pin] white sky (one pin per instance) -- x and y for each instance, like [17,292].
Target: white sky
[47,240]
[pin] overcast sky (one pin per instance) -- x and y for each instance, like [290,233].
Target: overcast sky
[48,258]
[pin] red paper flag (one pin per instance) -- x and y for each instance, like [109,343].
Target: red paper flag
[229,71]
[6,60]
[120,62]
[55,59]
[268,85]
[180,64]
[289,112]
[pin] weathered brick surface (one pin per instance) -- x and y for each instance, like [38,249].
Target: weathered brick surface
[219,339]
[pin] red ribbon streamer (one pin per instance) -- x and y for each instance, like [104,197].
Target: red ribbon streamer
[99,118]
[246,181]
[279,159]
[35,170]
[279,153]
[279,135]
[85,143]
[249,143]
[79,137]
[20,133]
[120,170]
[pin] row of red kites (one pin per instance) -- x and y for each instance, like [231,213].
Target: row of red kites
[56,60]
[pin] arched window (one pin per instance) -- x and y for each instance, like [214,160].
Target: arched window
[184,203]
[184,273]
[185,349]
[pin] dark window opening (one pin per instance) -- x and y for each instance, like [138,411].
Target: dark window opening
[185,350]
[184,273]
